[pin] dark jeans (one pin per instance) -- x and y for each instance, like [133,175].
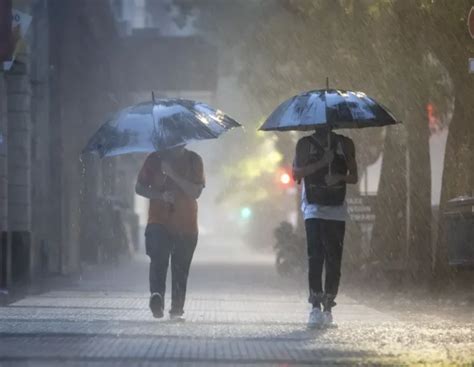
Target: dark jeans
[161,245]
[325,239]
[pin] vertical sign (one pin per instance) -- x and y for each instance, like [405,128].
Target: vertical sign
[20,24]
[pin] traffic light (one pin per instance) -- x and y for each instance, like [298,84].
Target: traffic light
[284,179]
[245,213]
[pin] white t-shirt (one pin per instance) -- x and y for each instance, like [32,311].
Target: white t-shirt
[312,211]
[315,211]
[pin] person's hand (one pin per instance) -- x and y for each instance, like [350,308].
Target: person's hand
[167,169]
[328,156]
[332,179]
[168,197]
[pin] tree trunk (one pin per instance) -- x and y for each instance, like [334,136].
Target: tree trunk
[458,173]
[389,234]
[402,233]
[419,246]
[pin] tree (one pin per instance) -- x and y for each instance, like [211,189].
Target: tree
[451,44]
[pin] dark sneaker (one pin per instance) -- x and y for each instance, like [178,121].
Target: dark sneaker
[156,305]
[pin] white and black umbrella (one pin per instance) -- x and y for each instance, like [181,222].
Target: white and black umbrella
[333,108]
[158,125]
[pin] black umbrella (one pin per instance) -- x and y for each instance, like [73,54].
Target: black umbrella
[158,125]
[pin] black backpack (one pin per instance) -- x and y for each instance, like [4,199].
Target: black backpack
[317,192]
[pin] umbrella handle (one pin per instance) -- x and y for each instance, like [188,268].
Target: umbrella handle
[329,133]
[329,147]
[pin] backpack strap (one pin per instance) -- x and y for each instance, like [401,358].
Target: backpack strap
[344,144]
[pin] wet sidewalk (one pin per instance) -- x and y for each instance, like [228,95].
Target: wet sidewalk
[239,312]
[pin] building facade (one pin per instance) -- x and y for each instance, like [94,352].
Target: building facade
[58,208]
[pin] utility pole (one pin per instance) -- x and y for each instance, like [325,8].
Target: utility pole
[19,166]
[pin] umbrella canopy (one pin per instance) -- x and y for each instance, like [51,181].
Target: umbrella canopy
[337,109]
[158,125]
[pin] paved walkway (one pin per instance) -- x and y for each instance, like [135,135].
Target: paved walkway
[238,313]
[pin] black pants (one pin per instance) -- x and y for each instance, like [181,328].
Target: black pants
[325,239]
[161,245]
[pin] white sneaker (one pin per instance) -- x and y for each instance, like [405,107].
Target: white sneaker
[327,319]
[177,318]
[316,319]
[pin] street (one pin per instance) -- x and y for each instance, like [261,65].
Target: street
[239,312]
